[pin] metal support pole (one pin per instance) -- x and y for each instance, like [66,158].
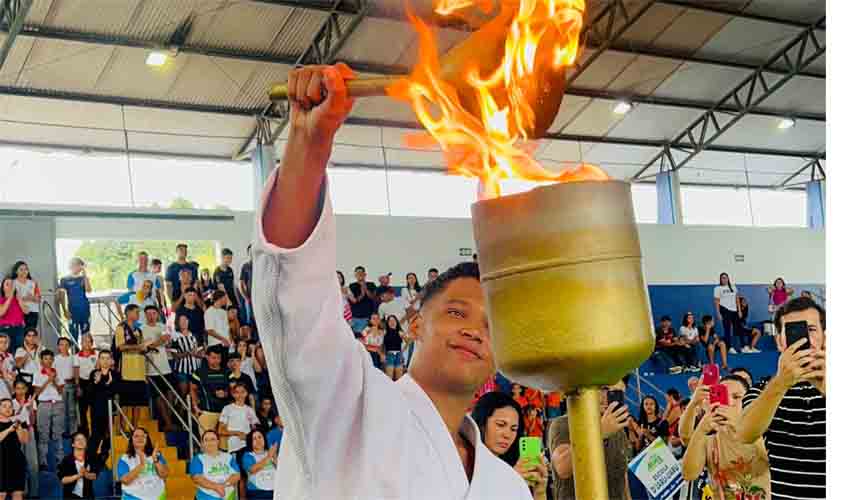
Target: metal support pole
[111,443]
[669,198]
[588,463]
[639,388]
[190,429]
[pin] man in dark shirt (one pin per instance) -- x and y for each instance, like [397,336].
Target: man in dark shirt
[171,277]
[246,290]
[224,275]
[790,412]
[210,384]
[193,310]
[362,300]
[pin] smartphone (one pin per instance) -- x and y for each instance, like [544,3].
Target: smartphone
[531,449]
[719,394]
[795,331]
[710,375]
[616,396]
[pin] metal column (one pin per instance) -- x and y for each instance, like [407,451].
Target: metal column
[816,205]
[669,198]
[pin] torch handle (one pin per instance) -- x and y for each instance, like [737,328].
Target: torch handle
[358,87]
[588,462]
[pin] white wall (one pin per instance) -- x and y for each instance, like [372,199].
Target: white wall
[672,254]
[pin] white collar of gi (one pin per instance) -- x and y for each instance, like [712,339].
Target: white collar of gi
[431,421]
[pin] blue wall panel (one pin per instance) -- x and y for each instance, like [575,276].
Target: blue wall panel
[677,300]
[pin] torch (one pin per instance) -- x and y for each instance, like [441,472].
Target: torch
[562,276]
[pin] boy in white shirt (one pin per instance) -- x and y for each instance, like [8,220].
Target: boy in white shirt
[51,409]
[217,321]
[64,366]
[84,363]
[157,365]
[235,422]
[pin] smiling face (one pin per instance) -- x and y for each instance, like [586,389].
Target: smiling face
[6,409]
[258,443]
[23,271]
[210,442]
[392,323]
[139,439]
[452,334]
[500,430]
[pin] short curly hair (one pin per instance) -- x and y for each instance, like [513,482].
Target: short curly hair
[462,270]
[797,305]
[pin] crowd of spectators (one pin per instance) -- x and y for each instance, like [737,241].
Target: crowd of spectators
[190,335]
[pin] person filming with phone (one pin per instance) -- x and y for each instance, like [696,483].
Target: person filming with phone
[734,468]
[790,412]
[617,447]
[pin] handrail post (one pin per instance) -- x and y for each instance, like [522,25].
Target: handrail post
[639,388]
[111,446]
[190,430]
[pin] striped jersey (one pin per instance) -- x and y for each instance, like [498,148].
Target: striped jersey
[185,343]
[795,441]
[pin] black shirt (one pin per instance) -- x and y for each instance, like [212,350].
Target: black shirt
[795,441]
[209,382]
[68,468]
[392,341]
[172,276]
[365,307]
[243,379]
[658,428]
[196,322]
[102,392]
[246,277]
[227,277]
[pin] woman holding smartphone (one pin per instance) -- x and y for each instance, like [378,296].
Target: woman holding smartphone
[499,420]
[12,459]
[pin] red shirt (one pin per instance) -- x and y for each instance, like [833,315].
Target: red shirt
[534,427]
[553,399]
[534,397]
[665,338]
[14,315]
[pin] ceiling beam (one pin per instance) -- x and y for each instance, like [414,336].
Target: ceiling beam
[619,141]
[380,69]
[12,14]
[323,49]
[124,101]
[714,8]
[813,163]
[799,53]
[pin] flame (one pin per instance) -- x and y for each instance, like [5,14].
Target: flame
[490,143]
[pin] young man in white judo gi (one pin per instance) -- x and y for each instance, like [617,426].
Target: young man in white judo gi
[350,432]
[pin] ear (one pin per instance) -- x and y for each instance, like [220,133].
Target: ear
[414,327]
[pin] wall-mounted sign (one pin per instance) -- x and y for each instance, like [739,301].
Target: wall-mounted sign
[465,252]
[739,257]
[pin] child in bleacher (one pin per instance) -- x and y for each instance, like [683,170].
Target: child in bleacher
[236,420]
[64,369]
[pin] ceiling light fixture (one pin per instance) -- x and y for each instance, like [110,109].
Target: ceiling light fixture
[786,123]
[622,107]
[156,58]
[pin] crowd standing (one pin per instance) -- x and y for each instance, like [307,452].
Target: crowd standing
[192,332]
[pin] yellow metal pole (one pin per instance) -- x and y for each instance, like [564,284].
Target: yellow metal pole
[588,462]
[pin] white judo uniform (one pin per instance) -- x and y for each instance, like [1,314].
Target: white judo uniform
[350,432]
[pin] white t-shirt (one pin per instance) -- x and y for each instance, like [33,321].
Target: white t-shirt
[33,364]
[51,393]
[23,412]
[217,470]
[7,365]
[727,297]
[373,337]
[64,367]
[409,294]
[86,364]
[24,289]
[216,319]
[148,484]
[689,333]
[238,419]
[159,359]
[137,278]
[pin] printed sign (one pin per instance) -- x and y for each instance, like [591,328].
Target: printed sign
[658,470]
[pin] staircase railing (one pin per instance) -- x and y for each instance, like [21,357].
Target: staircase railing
[644,381]
[192,439]
[59,329]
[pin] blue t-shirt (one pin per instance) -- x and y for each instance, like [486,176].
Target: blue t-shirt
[217,470]
[263,479]
[77,298]
[275,437]
[172,276]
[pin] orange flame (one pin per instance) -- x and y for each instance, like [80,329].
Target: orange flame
[491,146]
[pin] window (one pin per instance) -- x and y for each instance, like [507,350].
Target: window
[645,203]
[716,206]
[779,208]
[97,179]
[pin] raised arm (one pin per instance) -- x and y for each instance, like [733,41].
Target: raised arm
[298,305]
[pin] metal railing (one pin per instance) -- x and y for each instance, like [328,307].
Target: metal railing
[185,403]
[58,327]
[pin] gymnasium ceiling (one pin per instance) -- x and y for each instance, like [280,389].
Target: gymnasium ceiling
[75,77]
